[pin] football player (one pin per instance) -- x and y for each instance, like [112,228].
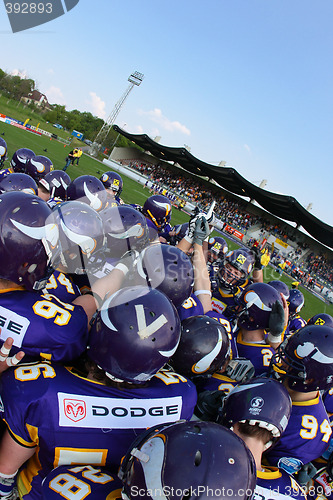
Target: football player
[113,184]
[90,190]
[232,277]
[41,325]
[38,166]
[52,188]
[157,210]
[295,304]
[304,364]
[262,309]
[20,158]
[258,412]
[91,411]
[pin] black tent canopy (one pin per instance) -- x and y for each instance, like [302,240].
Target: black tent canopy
[283,206]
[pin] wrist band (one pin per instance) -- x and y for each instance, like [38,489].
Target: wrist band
[274,339]
[121,267]
[203,292]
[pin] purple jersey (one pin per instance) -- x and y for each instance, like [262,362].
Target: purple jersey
[42,326]
[305,439]
[62,286]
[228,326]
[53,202]
[224,303]
[294,325]
[73,420]
[273,483]
[81,482]
[217,382]
[4,172]
[259,353]
[328,402]
[190,307]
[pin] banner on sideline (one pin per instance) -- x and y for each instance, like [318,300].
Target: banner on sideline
[233,231]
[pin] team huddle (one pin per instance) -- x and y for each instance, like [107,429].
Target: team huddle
[143,360]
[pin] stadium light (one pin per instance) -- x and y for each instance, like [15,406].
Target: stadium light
[135,80]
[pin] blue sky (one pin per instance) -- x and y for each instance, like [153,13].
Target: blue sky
[244,81]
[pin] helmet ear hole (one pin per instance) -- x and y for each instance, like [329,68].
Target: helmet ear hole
[197,458]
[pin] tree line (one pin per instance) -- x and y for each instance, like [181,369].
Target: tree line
[14,87]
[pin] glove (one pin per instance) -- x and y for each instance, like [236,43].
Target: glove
[191,225]
[276,323]
[201,230]
[240,369]
[257,258]
[208,405]
[306,473]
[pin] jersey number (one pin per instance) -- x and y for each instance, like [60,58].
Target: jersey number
[310,424]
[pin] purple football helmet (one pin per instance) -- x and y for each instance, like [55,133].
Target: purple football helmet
[257,301]
[113,181]
[38,166]
[321,319]
[305,359]
[295,302]
[56,183]
[261,401]
[168,269]
[18,182]
[141,322]
[29,240]
[82,239]
[89,190]
[178,459]
[19,159]
[3,151]
[158,209]
[125,229]
[280,287]
[235,260]
[218,247]
[204,347]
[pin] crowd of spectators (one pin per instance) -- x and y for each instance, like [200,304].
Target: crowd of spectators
[235,213]
[319,265]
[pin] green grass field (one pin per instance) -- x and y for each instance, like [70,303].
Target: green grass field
[133,192]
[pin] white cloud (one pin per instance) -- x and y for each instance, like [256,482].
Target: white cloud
[247,147]
[50,71]
[55,95]
[20,73]
[96,106]
[165,123]
[139,129]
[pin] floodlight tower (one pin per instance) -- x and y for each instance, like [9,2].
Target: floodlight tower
[135,79]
